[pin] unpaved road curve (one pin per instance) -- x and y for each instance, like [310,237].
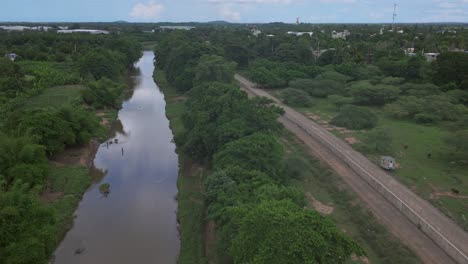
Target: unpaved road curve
[339,155]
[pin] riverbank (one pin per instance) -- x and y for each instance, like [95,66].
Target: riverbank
[324,190]
[141,169]
[191,203]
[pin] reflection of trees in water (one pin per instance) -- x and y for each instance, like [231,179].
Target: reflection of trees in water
[97,174]
[131,79]
[118,127]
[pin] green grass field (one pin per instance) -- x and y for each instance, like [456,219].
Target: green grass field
[71,182]
[56,97]
[432,178]
[328,188]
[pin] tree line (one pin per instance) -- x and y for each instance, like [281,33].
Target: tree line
[259,217]
[31,135]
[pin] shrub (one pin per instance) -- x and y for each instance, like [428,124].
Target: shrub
[318,88]
[355,117]
[426,118]
[367,94]
[333,75]
[339,100]
[296,97]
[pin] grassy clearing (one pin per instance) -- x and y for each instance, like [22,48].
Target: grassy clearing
[191,201]
[191,215]
[71,182]
[428,177]
[56,97]
[310,176]
[149,45]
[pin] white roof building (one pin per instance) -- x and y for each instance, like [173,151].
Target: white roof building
[23,28]
[340,35]
[176,27]
[256,32]
[90,31]
[11,56]
[300,33]
[431,56]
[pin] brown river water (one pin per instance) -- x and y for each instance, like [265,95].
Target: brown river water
[136,222]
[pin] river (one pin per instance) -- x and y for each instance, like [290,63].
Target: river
[136,222]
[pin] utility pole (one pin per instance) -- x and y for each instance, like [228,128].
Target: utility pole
[394,16]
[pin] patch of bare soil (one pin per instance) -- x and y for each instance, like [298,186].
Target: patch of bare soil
[312,116]
[320,207]
[48,197]
[210,241]
[360,259]
[77,156]
[191,168]
[104,120]
[179,98]
[436,193]
[451,195]
[352,140]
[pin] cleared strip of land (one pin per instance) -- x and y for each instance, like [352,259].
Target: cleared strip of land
[434,237]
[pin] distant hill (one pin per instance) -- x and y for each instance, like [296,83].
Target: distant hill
[218,22]
[121,22]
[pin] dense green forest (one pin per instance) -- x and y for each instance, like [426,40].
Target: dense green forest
[48,98]
[366,83]
[387,97]
[247,194]
[380,87]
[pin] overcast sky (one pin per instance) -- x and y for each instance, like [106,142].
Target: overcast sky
[247,11]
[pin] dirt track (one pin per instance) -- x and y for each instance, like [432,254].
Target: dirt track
[371,183]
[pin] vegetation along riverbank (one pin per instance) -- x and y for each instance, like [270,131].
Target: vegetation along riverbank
[58,100]
[240,169]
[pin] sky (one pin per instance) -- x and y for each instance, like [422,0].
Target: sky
[244,11]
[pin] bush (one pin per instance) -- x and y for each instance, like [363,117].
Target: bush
[103,93]
[354,117]
[367,94]
[392,80]
[333,75]
[318,88]
[426,118]
[296,97]
[340,101]
[377,140]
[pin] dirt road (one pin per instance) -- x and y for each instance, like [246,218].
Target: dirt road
[430,234]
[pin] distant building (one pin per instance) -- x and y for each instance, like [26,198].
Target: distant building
[270,35]
[457,50]
[14,28]
[23,28]
[89,31]
[256,32]
[11,56]
[176,27]
[431,56]
[340,35]
[298,34]
[410,52]
[41,28]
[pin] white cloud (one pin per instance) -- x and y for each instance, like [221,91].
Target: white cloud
[447,4]
[228,13]
[283,2]
[447,15]
[254,1]
[150,9]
